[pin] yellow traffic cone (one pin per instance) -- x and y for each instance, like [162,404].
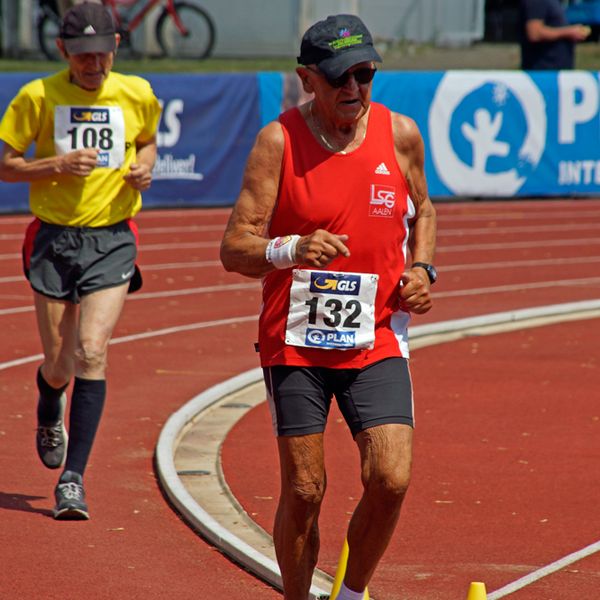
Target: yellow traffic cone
[341,571]
[477,591]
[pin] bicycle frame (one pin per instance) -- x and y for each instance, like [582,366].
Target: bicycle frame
[141,15]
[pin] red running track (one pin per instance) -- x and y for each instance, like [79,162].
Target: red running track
[506,424]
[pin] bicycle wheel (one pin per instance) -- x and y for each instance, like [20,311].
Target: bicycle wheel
[200,38]
[48,25]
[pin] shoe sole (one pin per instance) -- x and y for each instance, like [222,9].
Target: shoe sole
[71,514]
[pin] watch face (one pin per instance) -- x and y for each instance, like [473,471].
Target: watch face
[432,272]
[429,269]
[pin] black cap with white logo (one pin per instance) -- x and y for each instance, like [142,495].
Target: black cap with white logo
[88,27]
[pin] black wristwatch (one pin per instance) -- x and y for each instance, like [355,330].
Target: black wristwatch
[429,269]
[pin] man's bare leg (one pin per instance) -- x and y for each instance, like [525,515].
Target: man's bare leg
[296,532]
[386,454]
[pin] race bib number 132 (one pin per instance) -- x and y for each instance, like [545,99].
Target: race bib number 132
[100,127]
[331,310]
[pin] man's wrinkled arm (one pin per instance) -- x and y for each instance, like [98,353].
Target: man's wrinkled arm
[244,241]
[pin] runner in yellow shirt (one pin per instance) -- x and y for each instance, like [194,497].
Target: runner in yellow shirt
[94,133]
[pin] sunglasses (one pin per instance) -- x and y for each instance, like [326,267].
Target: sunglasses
[361,76]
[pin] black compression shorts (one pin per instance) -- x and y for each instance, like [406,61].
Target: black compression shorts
[300,397]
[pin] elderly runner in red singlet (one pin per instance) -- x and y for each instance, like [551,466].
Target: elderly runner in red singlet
[333,202]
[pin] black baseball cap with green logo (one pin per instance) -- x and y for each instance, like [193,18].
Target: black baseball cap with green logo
[336,44]
[88,27]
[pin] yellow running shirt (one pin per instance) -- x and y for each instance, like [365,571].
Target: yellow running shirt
[59,117]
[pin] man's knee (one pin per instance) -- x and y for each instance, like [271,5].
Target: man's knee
[305,494]
[91,355]
[389,487]
[58,373]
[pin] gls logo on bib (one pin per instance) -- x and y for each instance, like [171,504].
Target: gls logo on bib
[335,283]
[485,152]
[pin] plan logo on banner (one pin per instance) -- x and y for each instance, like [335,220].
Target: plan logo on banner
[476,148]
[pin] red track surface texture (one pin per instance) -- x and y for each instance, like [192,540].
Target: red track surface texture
[505,478]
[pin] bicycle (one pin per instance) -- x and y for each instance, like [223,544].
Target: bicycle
[182,30]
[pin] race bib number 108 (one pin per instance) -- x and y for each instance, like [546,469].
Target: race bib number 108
[100,127]
[331,310]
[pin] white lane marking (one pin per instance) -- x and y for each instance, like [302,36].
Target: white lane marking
[447,249]
[198,290]
[166,294]
[178,245]
[521,286]
[16,310]
[446,231]
[516,214]
[464,232]
[545,571]
[145,230]
[185,213]
[515,245]
[183,228]
[504,264]
[247,286]
[200,264]
[142,336]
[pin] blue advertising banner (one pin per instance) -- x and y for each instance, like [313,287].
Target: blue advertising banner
[486,133]
[206,131]
[492,133]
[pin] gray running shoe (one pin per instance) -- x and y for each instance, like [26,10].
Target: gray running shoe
[70,498]
[51,440]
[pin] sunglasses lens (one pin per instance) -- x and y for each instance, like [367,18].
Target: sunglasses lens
[364,75]
[361,76]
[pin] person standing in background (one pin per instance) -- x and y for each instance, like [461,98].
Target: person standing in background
[94,133]
[547,39]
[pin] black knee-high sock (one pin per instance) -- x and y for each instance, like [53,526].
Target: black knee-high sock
[86,409]
[48,409]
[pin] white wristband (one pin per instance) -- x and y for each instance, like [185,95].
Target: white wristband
[281,251]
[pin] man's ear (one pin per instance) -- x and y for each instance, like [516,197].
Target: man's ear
[304,78]
[117,40]
[61,48]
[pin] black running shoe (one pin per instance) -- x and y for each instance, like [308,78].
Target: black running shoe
[51,440]
[70,498]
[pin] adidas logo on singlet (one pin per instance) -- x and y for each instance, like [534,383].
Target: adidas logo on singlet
[382,170]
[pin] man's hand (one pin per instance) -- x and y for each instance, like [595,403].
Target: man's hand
[139,177]
[415,295]
[321,248]
[79,162]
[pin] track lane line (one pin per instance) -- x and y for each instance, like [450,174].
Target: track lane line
[545,571]
[142,336]
[501,289]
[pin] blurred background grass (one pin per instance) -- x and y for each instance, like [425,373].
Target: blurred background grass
[401,57]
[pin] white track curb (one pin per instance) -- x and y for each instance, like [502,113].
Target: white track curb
[221,537]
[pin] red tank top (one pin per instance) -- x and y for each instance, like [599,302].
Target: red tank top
[362,194]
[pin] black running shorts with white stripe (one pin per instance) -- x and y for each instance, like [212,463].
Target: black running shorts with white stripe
[69,262]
